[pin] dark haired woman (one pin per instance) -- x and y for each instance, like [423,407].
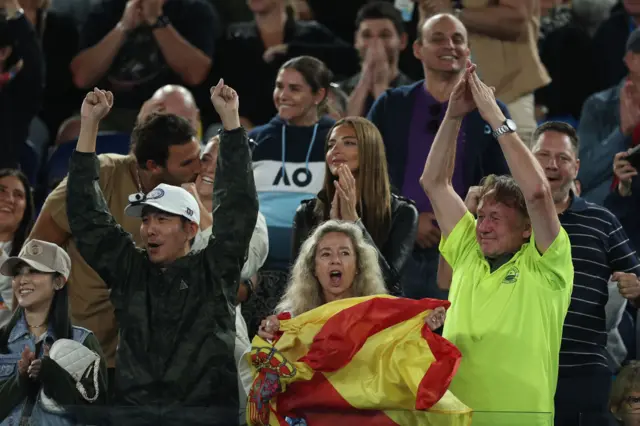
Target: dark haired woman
[288,165]
[251,53]
[33,385]
[357,189]
[16,219]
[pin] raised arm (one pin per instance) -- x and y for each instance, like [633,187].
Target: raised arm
[103,244]
[524,168]
[235,199]
[438,170]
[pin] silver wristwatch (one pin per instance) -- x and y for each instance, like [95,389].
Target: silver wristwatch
[509,126]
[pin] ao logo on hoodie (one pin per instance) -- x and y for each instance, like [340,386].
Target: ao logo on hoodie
[288,167]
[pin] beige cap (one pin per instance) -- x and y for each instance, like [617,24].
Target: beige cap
[40,255]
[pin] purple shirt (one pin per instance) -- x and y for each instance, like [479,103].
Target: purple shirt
[427,115]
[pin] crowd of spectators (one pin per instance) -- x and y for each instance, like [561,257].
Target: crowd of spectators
[409,130]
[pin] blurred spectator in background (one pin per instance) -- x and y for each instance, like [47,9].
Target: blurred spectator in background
[136,47]
[336,105]
[610,124]
[380,38]
[58,35]
[503,35]
[624,401]
[609,44]
[554,14]
[251,54]
[16,220]
[409,118]
[624,199]
[289,163]
[176,100]
[356,189]
[21,81]
[564,52]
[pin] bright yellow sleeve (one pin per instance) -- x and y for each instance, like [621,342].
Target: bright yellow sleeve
[460,242]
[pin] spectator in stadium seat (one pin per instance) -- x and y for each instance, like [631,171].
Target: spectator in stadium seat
[257,254]
[504,38]
[624,401]
[289,164]
[135,47]
[27,374]
[512,271]
[16,220]
[165,150]
[356,189]
[609,44]
[380,39]
[21,81]
[408,118]
[311,284]
[610,124]
[250,56]
[600,250]
[176,360]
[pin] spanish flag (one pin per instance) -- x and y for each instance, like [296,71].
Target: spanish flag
[370,360]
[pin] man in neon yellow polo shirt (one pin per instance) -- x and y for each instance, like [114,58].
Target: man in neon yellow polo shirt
[512,271]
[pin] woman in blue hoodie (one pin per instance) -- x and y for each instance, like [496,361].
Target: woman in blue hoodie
[288,161]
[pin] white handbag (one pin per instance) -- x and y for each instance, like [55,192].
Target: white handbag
[75,358]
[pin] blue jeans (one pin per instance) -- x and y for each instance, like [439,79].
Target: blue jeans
[419,277]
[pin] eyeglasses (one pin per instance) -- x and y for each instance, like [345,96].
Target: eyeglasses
[434,124]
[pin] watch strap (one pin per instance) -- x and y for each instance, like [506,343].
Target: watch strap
[162,22]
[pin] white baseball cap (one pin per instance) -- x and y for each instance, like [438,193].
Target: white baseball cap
[168,198]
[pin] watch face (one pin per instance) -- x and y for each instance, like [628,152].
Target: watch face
[511,125]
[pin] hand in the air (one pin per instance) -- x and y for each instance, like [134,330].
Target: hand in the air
[96,105]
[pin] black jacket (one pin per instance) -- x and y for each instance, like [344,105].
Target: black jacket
[392,255]
[176,324]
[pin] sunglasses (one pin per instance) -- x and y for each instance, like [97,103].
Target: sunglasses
[434,123]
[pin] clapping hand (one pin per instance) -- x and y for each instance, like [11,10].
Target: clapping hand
[96,105]
[226,103]
[36,365]
[485,101]
[25,361]
[347,194]
[132,15]
[151,11]
[461,101]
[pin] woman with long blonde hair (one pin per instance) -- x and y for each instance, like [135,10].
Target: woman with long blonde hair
[356,189]
[335,262]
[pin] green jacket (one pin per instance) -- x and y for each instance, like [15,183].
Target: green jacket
[177,325]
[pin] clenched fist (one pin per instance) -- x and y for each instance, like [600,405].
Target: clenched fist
[96,105]
[225,101]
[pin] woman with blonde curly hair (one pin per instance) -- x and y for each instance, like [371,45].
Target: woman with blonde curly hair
[335,262]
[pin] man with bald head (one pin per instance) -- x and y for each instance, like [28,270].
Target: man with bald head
[409,117]
[173,99]
[165,148]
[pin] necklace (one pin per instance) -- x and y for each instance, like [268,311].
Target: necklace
[37,326]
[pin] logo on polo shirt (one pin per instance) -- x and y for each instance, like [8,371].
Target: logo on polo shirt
[512,276]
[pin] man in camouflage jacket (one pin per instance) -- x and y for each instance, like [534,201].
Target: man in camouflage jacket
[175,360]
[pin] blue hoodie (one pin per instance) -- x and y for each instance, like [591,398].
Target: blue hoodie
[288,167]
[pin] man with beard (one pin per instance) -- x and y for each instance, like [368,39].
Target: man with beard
[380,38]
